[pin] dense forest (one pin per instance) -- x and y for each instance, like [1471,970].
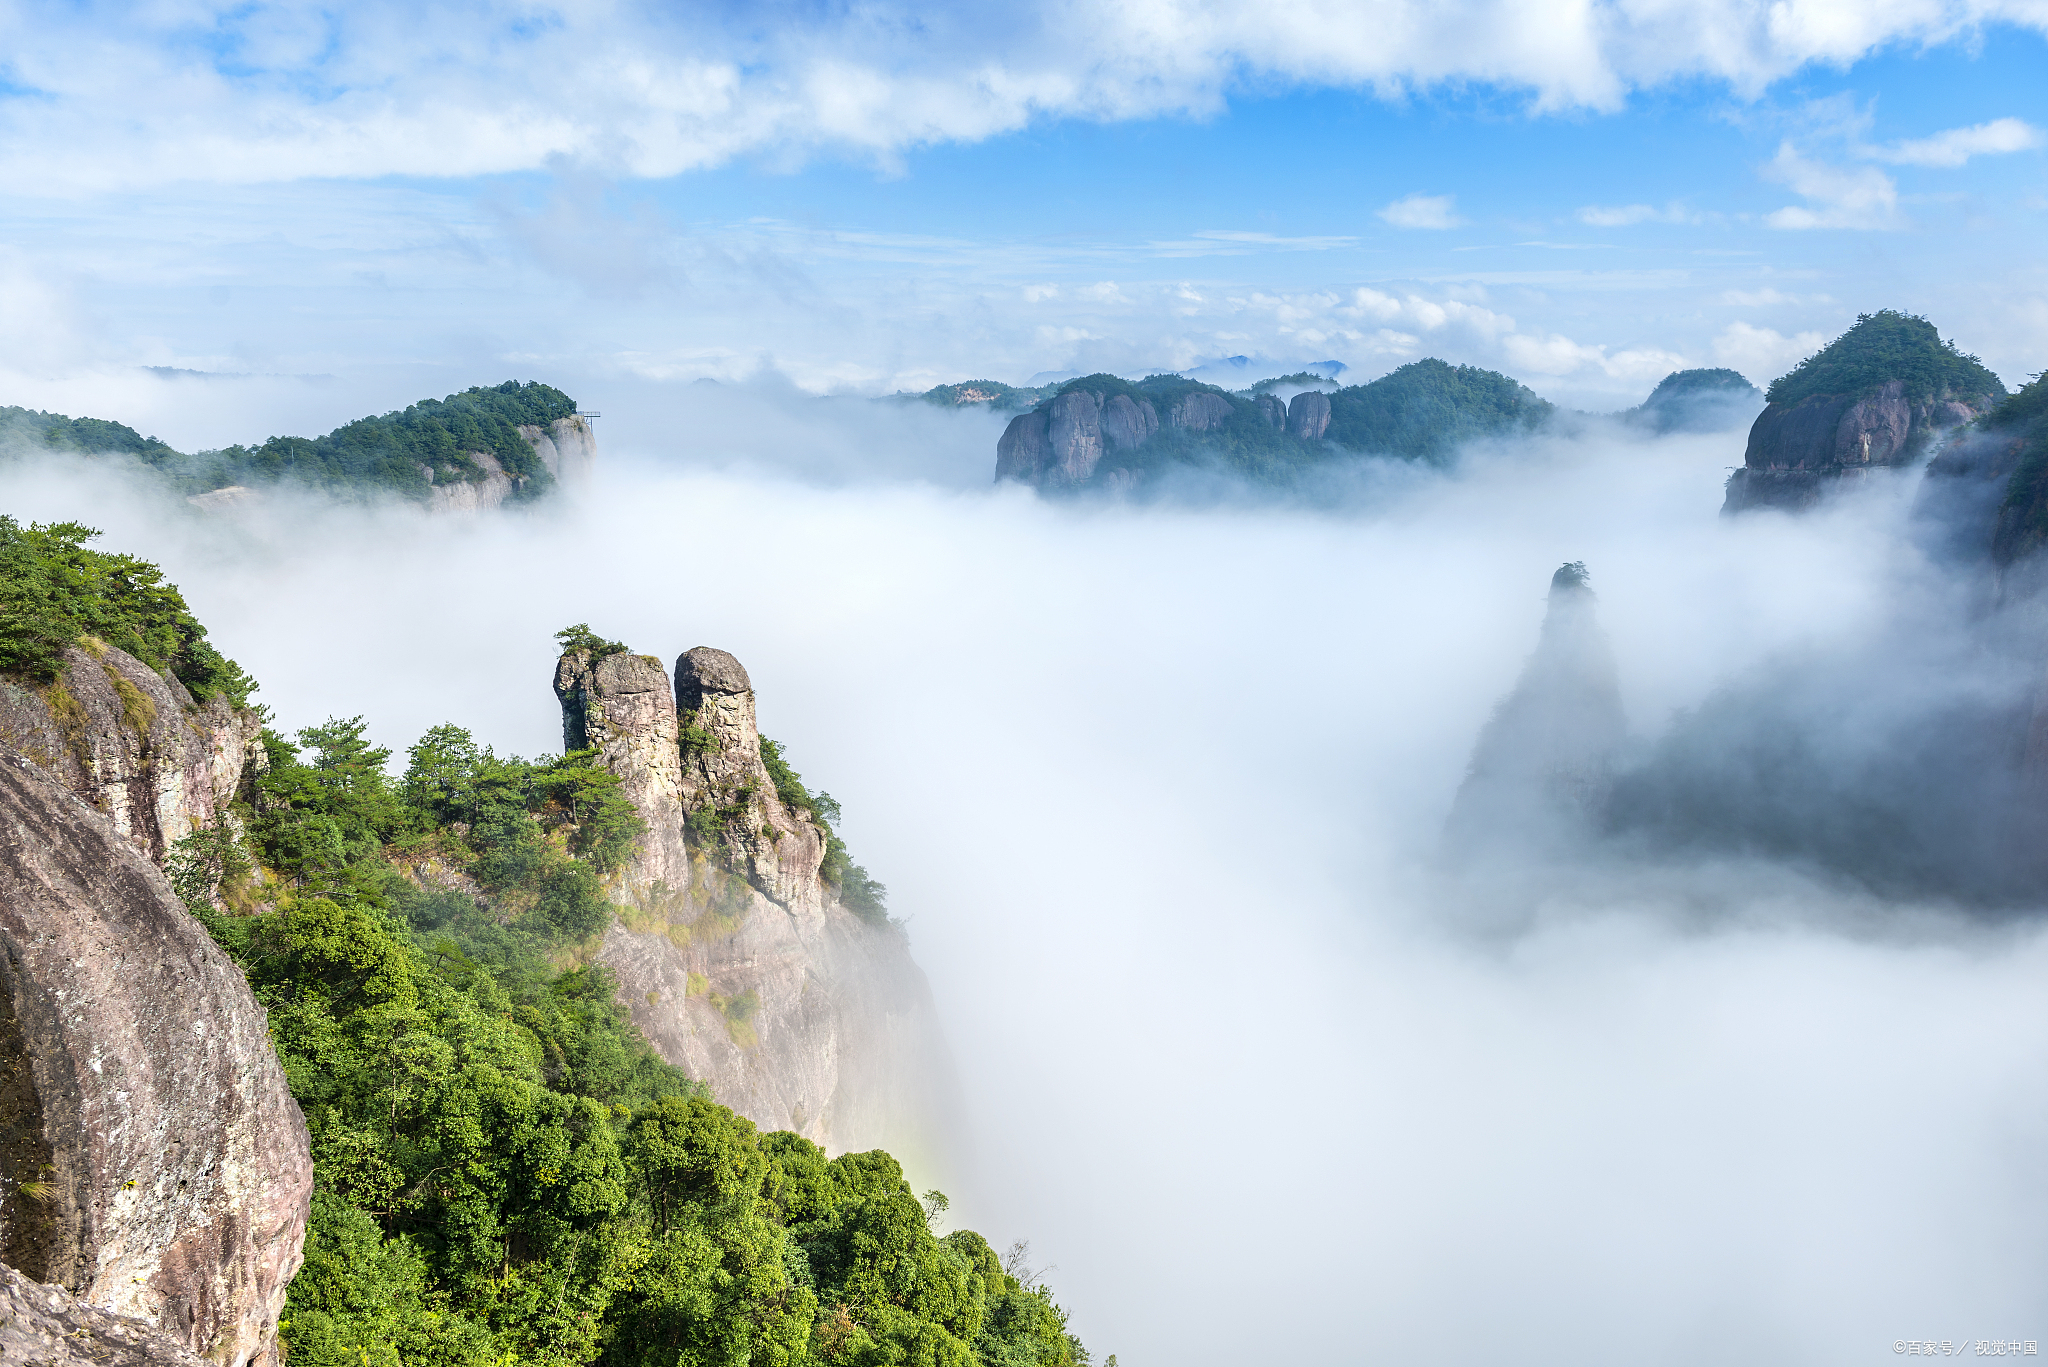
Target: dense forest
[1881,347]
[405,453]
[505,1172]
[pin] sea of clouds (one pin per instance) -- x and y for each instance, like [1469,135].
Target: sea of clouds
[1159,791]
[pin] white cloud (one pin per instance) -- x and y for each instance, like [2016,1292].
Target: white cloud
[1958,145]
[220,91]
[1422,211]
[1837,196]
[1763,354]
[1628,215]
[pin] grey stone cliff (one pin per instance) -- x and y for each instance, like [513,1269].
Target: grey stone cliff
[621,706]
[152,1160]
[732,953]
[133,743]
[1308,417]
[47,1326]
[1797,452]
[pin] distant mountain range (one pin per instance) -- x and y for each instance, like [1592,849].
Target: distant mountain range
[1105,432]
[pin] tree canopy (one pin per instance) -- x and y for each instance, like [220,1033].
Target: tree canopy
[1882,347]
[55,591]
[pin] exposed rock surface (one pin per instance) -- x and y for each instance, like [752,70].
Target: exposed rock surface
[1883,394]
[1125,424]
[1201,411]
[621,706]
[1074,426]
[152,1160]
[1024,450]
[567,446]
[1546,761]
[1308,416]
[734,955]
[1272,410]
[47,1326]
[133,743]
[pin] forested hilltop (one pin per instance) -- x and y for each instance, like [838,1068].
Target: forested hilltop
[469,439]
[505,1172]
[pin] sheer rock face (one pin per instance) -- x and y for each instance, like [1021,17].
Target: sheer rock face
[467,496]
[620,705]
[567,446]
[1308,417]
[1024,450]
[1201,411]
[744,969]
[138,1082]
[1125,424]
[1272,410]
[47,1326]
[1798,451]
[1074,426]
[1545,763]
[133,743]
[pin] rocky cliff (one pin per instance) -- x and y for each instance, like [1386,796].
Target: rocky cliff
[47,1326]
[1546,761]
[152,1160]
[1884,394]
[566,447]
[133,743]
[1105,432]
[735,953]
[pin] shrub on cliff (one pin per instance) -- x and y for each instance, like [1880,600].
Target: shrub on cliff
[1882,347]
[54,592]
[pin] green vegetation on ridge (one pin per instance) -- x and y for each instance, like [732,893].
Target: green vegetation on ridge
[1882,347]
[390,454]
[55,592]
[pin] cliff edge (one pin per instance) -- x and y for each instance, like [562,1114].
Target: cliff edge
[737,952]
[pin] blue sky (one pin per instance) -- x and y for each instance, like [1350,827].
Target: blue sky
[874,198]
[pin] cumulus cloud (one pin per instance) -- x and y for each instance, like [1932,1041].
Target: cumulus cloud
[1958,145]
[213,91]
[1763,353]
[1836,196]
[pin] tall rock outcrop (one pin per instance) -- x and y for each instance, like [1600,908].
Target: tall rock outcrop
[621,705]
[152,1160]
[734,952]
[1308,416]
[133,743]
[1546,761]
[1882,394]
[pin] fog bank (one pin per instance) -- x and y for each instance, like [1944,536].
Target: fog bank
[1160,793]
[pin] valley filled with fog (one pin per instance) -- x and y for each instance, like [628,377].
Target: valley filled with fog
[1159,789]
